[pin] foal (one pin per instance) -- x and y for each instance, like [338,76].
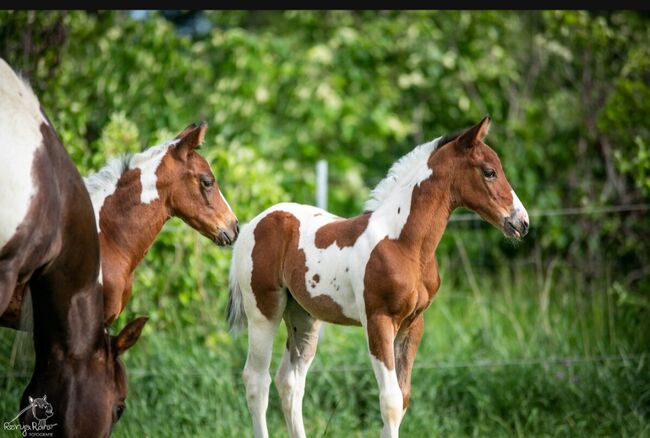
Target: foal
[377,270]
[133,196]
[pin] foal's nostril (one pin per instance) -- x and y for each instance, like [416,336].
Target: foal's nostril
[225,239]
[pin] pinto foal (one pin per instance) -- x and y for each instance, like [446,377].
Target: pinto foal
[133,196]
[377,270]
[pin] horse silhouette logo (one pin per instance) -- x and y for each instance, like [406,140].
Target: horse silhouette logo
[41,409]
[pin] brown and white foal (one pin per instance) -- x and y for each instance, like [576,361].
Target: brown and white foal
[133,196]
[377,270]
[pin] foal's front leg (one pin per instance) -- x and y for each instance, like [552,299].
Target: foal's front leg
[380,331]
[406,345]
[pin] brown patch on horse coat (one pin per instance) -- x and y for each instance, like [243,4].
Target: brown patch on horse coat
[316,278]
[278,262]
[344,232]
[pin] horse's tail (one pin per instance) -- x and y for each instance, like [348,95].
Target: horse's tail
[236,312]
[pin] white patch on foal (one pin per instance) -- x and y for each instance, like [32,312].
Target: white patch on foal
[148,162]
[102,184]
[390,397]
[20,137]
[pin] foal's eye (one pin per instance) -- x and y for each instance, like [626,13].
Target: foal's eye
[207,183]
[119,410]
[489,173]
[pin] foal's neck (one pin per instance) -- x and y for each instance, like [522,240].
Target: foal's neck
[431,206]
[128,225]
[427,215]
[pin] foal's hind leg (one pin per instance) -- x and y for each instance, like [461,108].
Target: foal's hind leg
[257,379]
[302,339]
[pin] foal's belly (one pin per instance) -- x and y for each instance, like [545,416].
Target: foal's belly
[327,296]
[323,284]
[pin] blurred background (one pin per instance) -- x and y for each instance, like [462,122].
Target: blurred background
[546,337]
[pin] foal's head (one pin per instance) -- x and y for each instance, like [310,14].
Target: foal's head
[479,182]
[87,396]
[193,190]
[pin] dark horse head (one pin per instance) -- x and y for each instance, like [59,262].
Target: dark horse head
[88,394]
[49,244]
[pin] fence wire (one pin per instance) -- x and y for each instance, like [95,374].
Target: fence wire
[546,362]
[622,360]
[571,211]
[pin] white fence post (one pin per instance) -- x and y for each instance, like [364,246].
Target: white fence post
[321,184]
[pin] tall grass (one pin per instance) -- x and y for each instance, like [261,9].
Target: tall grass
[519,351]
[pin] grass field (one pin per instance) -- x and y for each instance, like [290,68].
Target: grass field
[517,353]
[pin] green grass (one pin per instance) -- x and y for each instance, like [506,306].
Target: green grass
[493,362]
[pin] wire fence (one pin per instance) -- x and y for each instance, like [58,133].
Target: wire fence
[571,211]
[617,360]
[628,360]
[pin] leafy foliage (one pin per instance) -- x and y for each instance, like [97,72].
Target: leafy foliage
[568,93]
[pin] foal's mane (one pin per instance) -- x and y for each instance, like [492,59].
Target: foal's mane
[115,167]
[402,168]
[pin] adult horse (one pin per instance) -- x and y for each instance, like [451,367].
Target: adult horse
[377,270]
[49,244]
[133,196]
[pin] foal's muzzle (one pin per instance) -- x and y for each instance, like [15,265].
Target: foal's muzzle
[516,225]
[227,236]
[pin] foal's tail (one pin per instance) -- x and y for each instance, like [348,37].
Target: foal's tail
[236,313]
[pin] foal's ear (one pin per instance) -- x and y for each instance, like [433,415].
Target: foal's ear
[475,133]
[129,335]
[189,139]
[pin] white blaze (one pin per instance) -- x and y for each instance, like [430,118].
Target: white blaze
[518,207]
[225,201]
